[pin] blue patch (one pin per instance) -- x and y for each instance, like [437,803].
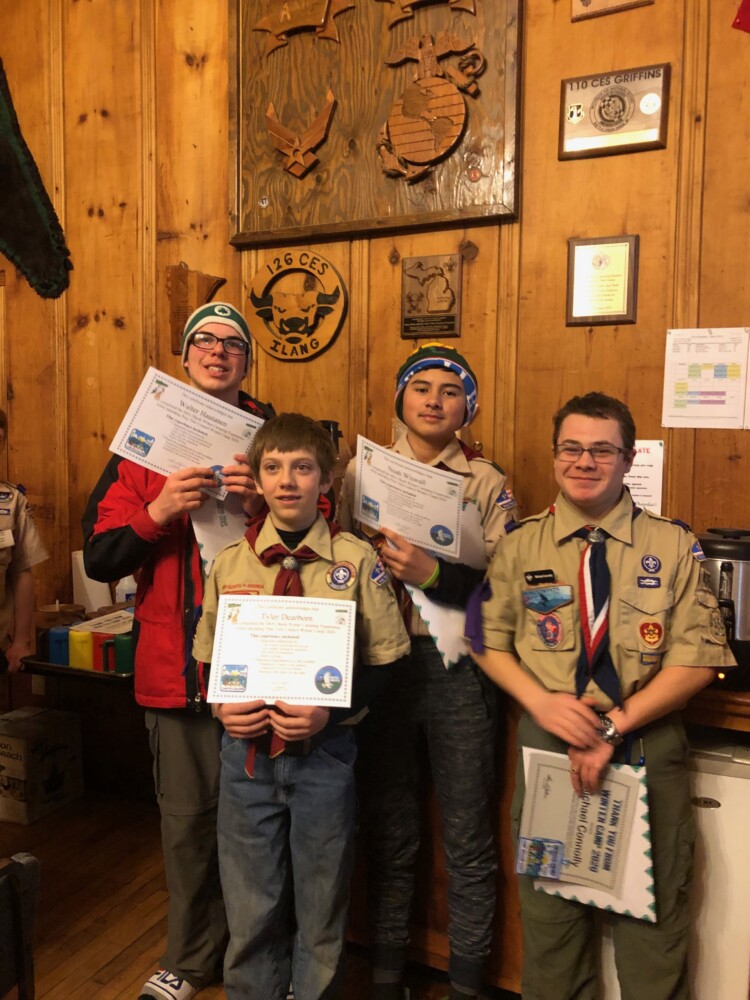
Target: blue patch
[506,500]
[4,510]
[379,574]
[649,582]
[546,599]
[341,575]
[650,659]
[550,630]
[441,535]
[697,551]
[511,526]
[4,497]
[651,564]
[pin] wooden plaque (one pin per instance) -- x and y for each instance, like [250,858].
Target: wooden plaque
[333,127]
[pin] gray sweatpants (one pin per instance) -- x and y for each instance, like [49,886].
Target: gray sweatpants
[186,747]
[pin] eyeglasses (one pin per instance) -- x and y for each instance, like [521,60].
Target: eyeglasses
[207,342]
[603,454]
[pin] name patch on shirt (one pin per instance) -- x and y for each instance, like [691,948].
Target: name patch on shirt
[649,582]
[243,588]
[536,576]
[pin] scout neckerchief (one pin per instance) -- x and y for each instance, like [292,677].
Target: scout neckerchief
[595,659]
[288,583]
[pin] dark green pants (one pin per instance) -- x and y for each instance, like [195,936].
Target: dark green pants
[561,946]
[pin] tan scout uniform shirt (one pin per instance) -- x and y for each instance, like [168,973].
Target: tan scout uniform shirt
[662,612]
[380,634]
[485,486]
[20,549]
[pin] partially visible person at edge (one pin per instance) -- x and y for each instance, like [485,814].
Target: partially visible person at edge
[138,521]
[602,624]
[21,548]
[453,709]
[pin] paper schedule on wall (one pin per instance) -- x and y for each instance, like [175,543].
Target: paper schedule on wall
[705,378]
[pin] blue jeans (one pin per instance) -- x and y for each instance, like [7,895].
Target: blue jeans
[286,845]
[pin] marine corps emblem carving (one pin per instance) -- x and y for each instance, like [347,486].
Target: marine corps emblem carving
[426,122]
[298,302]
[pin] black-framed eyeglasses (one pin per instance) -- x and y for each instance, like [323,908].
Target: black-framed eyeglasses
[207,342]
[571,451]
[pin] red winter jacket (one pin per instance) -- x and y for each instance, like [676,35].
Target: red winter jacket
[121,538]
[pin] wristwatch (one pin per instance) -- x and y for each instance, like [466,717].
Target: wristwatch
[608,731]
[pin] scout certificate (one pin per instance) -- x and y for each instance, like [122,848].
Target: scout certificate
[421,503]
[170,425]
[294,649]
[595,849]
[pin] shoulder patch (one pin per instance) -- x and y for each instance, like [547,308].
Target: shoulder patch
[505,499]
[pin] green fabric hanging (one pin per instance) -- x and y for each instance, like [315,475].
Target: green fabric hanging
[30,233]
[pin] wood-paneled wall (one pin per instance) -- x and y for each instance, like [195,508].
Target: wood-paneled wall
[125,108]
[124,104]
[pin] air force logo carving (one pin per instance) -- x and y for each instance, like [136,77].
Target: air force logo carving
[299,302]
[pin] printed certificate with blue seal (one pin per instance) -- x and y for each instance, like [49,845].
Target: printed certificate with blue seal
[421,503]
[294,649]
[595,849]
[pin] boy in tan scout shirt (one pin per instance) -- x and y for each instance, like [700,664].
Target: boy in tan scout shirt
[20,549]
[286,819]
[447,704]
[601,623]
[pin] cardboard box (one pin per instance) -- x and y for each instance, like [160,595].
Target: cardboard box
[40,762]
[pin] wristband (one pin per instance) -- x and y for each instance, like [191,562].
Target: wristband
[432,579]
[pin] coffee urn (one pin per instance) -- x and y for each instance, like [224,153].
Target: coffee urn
[727,553]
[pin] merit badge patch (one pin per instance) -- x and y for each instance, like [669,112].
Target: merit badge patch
[649,582]
[341,576]
[697,551]
[651,632]
[550,630]
[651,564]
[506,500]
[379,574]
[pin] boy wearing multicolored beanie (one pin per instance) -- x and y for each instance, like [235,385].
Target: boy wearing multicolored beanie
[441,697]
[138,521]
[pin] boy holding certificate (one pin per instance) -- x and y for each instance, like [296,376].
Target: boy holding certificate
[287,799]
[138,521]
[441,698]
[601,623]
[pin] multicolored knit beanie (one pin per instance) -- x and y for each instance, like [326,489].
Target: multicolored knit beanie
[216,312]
[437,355]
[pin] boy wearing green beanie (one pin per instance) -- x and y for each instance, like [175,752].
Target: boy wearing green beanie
[448,705]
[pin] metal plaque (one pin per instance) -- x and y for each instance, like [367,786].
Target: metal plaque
[431,296]
[619,111]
